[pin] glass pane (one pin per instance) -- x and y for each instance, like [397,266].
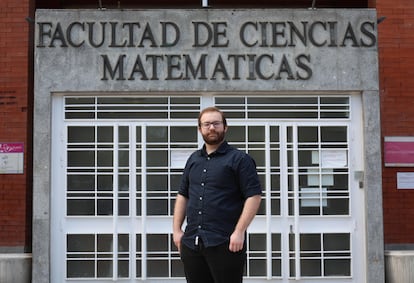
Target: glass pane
[78,269]
[185,100]
[105,182]
[105,207]
[123,268]
[81,158]
[276,242]
[259,157]
[157,182]
[123,207]
[105,243]
[310,267]
[138,246]
[123,134]
[105,158]
[104,268]
[175,182]
[157,206]
[256,134]
[257,267]
[292,267]
[79,100]
[337,267]
[81,134]
[275,203]
[274,134]
[157,242]
[123,182]
[257,242]
[236,134]
[183,134]
[138,158]
[157,158]
[275,158]
[275,182]
[105,134]
[138,267]
[123,158]
[334,134]
[308,134]
[337,207]
[336,242]
[80,182]
[80,243]
[262,207]
[233,107]
[123,243]
[305,158]
[229,100]
[138,134]
[157,268]
[310,242]
[157,134]
[335,107]
[80,207]
[289,134]
[177,269]
[276,267]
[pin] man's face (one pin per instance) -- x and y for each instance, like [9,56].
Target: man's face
[212,128]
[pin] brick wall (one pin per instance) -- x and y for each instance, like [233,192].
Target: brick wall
[396,51]
[14,122]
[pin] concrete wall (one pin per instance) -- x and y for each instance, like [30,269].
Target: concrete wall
[339,55]
[15,268]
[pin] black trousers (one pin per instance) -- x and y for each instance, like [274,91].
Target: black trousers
[213,264]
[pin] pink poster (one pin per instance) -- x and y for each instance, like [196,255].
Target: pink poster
[399,153]
[11,158]
[11,147]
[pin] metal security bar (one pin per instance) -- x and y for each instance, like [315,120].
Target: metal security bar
[285,107]
[121,170]
[137,107]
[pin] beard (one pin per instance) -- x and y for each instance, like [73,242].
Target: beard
[213,137]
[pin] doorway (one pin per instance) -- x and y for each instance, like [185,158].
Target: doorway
[117,162]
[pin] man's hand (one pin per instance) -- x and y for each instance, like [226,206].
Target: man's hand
[236,241]
[178,219]
[177,235]
[251,205]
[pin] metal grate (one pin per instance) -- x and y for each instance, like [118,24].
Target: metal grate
[285,107]
[188,107]
[134,107]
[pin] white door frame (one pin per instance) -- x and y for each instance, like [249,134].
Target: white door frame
[284,223]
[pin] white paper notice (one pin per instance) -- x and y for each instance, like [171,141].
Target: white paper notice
[313,177]
[334,158]
[405,180]
[179,157]
[11,158]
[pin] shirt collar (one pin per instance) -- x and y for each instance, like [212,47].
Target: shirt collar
[223,148]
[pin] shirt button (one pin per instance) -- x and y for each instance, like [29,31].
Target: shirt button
[201,198]
[205,170]
[208,158]
[202,184]
[199,212]
[199,226]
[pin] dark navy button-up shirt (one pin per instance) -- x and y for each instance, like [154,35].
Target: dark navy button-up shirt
[216,187]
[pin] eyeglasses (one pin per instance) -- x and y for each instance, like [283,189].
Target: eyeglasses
[215,124]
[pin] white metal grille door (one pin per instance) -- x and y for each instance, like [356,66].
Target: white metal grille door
[117,163]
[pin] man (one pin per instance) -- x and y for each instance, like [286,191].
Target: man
[220,194]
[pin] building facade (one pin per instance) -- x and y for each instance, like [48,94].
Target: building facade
[116,94]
